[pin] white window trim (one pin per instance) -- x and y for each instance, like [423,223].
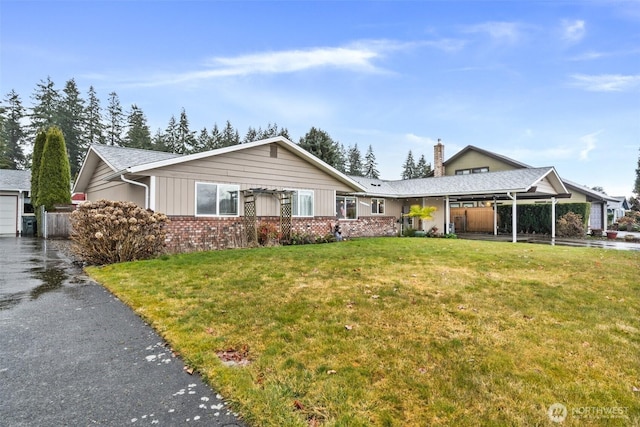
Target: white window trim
[313,202]
[218,215]
[356,204]
[384,203]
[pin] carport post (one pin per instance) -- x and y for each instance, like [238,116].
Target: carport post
[495,217]
[553,219]
[514,215]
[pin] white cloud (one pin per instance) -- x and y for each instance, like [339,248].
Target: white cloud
[589,143]
[507,32]
[422,141]
[573,31]
[606,82]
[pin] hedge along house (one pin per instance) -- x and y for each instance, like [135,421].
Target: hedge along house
[217,198]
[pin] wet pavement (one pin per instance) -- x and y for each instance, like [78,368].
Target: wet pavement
[617,244]
[73,354]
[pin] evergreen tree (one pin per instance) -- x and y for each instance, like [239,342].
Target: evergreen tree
[215,140]
[251,135]
[320,144]
[71,122]
[371,166]
[409,167]
[12,134]
[44,112]
[158,141]
[94,131]
[115,121]
[171,136]
[201,142]
[186,138]
[54,180]
[343,159]
[355,161]
[636,186]
[423,169]
[230,136]
[36,158]
[138,133]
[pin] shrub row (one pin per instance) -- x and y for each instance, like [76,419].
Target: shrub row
[536,218]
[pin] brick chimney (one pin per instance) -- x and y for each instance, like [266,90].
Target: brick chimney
[438,159]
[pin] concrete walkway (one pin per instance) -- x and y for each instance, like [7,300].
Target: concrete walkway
[71,354]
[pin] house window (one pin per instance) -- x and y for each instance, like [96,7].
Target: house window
[216,199]
[454,205]
[470,171]
[468,205]
[377,206]
[302,203]
[346,207]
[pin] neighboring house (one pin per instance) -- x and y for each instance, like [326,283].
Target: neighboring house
[618,208]
[215,199]
[472,160]
[15,203]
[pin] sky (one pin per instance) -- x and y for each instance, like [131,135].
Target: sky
[547,82]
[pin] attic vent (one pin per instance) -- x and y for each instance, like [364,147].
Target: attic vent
[274,151]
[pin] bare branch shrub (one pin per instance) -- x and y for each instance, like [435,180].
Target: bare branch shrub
[106,232]
[570,225]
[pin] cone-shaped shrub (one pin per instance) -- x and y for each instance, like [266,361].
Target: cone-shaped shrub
[106,232]
[38,147]
[54,179]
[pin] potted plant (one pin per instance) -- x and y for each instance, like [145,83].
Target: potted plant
[612,234]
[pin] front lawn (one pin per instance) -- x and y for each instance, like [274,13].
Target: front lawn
[402,331]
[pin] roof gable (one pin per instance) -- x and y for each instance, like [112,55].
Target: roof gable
[499,157]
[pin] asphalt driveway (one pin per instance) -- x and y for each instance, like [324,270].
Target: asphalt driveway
[73,354]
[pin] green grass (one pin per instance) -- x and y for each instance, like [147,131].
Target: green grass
[442,332]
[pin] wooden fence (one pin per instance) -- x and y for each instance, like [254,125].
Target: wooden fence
[468,220]
[55,224]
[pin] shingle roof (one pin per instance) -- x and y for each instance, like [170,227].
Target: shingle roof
[590,193]
[120,158]
[519,180]
[15,180]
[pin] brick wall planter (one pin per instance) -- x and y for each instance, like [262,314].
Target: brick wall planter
[189,234]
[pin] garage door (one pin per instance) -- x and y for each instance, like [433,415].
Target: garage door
[8,214]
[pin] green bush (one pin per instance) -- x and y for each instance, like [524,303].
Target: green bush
[106,232]
[54,176]
[570,225]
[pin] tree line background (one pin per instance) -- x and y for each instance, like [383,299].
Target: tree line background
[83,121]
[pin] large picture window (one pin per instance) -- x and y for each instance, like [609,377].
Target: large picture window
[302,201]
[346,207]
[216,199]
[377,206]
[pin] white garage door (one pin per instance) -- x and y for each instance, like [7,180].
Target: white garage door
[8,214]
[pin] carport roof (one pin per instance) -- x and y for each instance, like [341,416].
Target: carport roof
[485,184]
[15,180]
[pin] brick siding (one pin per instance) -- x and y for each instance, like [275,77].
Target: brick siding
[189,234]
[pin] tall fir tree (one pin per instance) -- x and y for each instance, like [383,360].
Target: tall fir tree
[44,112]
[115,121]
[12,133]
[636,188]
[94,127]
[158,141]
[186,138]
[370,164]
[202,141]
[215,140]
[36,158]
[320,144]
[423,169]
[171,136]
[409,167]
[72,124]
[138,133]
[230,136]
[250,136]
[54,180]
[355,161]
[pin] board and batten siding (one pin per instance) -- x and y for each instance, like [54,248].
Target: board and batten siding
[250,168]
[473,159]
[99,188]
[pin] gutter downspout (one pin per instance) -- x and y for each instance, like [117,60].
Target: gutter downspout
[146,189]
[514,214]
